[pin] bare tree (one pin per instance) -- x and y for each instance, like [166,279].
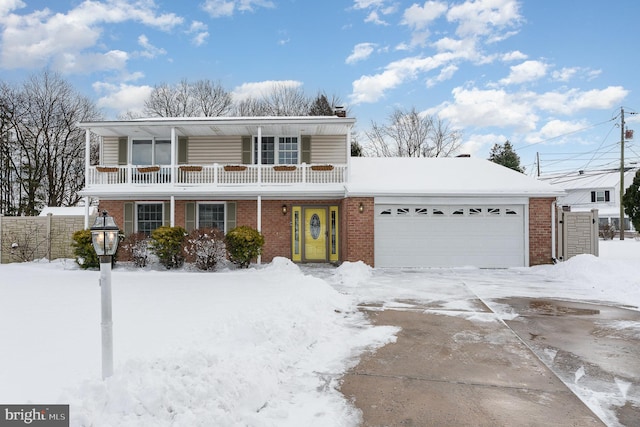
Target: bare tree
[46,146]
[281,100]
[200,99]
[410,134]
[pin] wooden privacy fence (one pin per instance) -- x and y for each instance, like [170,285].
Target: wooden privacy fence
[28,238]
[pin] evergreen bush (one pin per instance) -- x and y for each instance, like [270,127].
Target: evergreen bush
[166,243]
[244,244]
[84,252]
[205,248]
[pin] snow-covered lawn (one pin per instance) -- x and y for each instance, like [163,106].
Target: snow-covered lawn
[260,347]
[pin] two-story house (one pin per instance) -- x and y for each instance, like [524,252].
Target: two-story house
[595,189]
[293,179]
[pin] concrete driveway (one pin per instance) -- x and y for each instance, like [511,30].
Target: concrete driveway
[470,368]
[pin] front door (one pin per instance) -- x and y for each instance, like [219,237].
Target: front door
[315,234]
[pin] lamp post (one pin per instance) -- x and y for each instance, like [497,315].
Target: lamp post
[104,236]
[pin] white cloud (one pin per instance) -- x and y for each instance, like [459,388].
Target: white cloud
[574,100]
[526,72]
[419,18]
[374,18]
[199,32]
[122,98]
[219,8]
[361,51]
[260,89]
[150,51]
[484,108]
[565,74]
[515,55]
[7,6]
[484,17]
[42,37]
[445,74]
[476,144]
[365,4]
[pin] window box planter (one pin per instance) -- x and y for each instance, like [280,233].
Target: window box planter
[106,169]
[322,167]
[235,168]
[284,168]
[148,169]
[191,168]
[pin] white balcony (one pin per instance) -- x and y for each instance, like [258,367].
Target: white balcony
[216,175]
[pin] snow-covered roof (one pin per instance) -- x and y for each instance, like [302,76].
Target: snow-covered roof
[67,211]
[450,176]
[589,180]
[203,126]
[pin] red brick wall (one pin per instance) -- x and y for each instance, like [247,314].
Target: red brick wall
[115,209]
[357,230]
[540,241]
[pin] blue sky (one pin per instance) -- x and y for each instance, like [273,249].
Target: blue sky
[548,75]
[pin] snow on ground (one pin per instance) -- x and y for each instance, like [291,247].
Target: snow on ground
[262,347]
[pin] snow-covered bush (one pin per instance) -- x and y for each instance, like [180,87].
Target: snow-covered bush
[135,248]
[244,244]
[166,243]
[205,248]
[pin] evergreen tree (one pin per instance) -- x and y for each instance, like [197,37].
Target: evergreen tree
[631,201]
[504,155]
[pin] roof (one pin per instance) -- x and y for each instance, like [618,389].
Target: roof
[221,126]
[581,180]
[443,176]
[67,211]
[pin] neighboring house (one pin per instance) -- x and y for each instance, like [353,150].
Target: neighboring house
[311,200]
[597,189]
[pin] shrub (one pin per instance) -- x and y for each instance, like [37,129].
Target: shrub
[135,248]
[84,252]
[244,244]
[607,232]
[205,248]
[166,243]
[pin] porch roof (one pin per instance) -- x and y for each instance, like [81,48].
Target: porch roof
[223,126]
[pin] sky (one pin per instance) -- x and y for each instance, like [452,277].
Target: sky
[552,77]
[193,355]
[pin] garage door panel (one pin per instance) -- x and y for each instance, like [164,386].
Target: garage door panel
[488,241]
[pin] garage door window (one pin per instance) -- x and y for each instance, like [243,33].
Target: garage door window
[448,211]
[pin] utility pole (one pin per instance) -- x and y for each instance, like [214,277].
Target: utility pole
[538,162]
[621,172]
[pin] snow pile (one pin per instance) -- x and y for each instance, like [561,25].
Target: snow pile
[261,347]
[353,274]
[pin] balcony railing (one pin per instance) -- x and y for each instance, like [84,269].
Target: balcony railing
[218,174]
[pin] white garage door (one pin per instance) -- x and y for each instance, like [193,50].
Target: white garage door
[487,236]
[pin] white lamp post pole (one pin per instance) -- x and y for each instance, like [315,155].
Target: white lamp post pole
[106,323]
[104,235]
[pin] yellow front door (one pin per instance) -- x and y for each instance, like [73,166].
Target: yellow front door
[315,234]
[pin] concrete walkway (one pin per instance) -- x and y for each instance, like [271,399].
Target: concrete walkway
[467,369]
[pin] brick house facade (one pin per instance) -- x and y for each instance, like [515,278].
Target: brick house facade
[310,200]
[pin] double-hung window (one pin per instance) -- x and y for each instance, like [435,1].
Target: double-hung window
[149,217]
[211,215]
[151,151]
[600,196]
[282,150]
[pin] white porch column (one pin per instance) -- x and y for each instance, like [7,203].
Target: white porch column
[259,157]
[173,212]
[259,220]
[174,147]
[87,163]
[348,177]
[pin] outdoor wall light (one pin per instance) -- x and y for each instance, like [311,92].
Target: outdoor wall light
[284,209]
[104,236]
[361,207]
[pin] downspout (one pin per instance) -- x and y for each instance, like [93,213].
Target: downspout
[87,161]
[174,146]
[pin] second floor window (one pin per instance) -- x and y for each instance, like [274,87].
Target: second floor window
[151,152]
[600,196]
[281,150]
